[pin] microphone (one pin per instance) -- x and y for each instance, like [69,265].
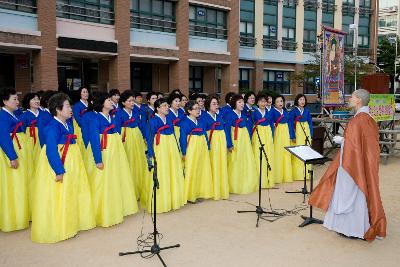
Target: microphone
[150,165]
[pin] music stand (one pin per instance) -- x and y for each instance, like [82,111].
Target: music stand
[310,157]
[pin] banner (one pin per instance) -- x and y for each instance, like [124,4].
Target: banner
[382,107]
[333,67]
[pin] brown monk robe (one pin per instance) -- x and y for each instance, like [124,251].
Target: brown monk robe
[361,161]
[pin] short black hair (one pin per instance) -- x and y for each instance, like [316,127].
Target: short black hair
[137,94]
[98,100]
[194,96]
[56,102]
[44,101]
[182,96]
[189,106]
[296,100]
[276,97]
[228,97]
[247,95]
[172,97]
[261,96]
[159,102]
[27,99]
[235,98]
[208,101]
[125,96]
[150,94]
[176,91]
[114,92]
[5,95]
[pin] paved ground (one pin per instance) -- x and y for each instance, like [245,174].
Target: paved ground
[213,234]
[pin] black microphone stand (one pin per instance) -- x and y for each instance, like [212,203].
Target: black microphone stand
[259,210]
[155,248]
[304,190]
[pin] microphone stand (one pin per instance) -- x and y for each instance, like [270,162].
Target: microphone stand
[304,190]
[155,249]
[259,210]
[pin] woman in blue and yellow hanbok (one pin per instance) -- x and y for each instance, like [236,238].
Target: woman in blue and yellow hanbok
[262,121]
[283,159]
[79,110]
[163,147]
[214,125]
[14,207]
[176,114]
[300,126]
[113,192]
[132,138]
[241,164]
[195,151]
[61,200]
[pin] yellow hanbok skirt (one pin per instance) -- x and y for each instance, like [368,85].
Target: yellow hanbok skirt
[283,158]
[33,152]
[170,195]
[298,165]
[14,206]
[60,210]
[79,139]
[198,175]
[219,164]
[242,170]
[136,153]
[267,181]
[112,190]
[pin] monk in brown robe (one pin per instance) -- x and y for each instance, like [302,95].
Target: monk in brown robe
[349,190]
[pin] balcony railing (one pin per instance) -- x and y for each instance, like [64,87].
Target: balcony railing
[309,47]
[151,23]
[289,45]
[29,6]
[208,31]
[270,43]
[366,11]
[85,13]
[310,4]
[348,9]
[247,41]
[364,52]
[328,7]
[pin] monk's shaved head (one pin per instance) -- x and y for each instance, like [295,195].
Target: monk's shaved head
[363,95]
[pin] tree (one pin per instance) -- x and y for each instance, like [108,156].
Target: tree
[386,55]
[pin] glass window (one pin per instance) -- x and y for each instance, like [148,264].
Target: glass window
[277,81]
[244,78]
[208,22]
[98,11]
[247,23]
[270,20]
[195,79]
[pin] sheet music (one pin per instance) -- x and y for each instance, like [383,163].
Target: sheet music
[305,152]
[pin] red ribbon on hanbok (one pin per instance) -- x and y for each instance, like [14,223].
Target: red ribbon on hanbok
[32,131]
[103,143]
[215,124]
[235,133]
[126,124]
[257,123]
[14,133]
[65,148]
[195,130]
[297,120]
[159,133]
[279,120]
[113,111]
[175,122]
[82,112]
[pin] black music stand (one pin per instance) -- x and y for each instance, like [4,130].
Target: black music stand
[310,157]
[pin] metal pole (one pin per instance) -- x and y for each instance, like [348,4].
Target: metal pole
[355,45]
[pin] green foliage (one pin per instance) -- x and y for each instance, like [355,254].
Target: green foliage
[386,55]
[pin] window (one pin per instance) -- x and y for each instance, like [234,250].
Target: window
[310,26]
[218,77]
[289,26]
[247,23]
[289,3]
[207,22]
[244,79]
[277,81]
[20,5]
[363,32]
[155,15]
[346,21]
[270,24]
[365,3]
[328,10]
[98,11]
[195,79]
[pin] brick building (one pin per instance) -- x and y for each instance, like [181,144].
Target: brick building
[213,46]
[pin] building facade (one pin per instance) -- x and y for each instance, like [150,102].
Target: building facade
[389,19]
[211,46]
